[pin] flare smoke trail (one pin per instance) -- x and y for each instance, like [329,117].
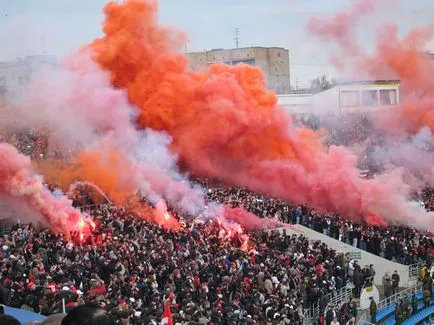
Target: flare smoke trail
[17,180]
[96,128]
[226,124]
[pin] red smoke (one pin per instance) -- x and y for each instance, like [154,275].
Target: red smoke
[395,57]
[226,124]
[17,180]
[340,29]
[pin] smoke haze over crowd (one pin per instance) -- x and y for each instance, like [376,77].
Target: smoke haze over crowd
[133,117]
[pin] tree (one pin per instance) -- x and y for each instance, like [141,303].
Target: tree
[320,83]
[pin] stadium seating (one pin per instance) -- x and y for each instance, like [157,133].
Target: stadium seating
[387,314]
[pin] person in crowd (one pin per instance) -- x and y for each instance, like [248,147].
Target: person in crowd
[406,304]
[87,315]
[8,320]
[130,266]
[414,305]
[387,285]
[373,310]
[335,321]
[352,312]
[352,321]
[398,243]
[55,319]
[395,282]
[399,313]
[427,297]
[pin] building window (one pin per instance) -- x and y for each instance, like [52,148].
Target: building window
[245,61]
[369,97]
[2,81]
[349,98]
[388,97]
[278,54]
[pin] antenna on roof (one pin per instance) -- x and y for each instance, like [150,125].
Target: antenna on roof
[237,37]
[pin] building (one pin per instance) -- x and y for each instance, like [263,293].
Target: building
[343,97]
[18,73]
[273,61]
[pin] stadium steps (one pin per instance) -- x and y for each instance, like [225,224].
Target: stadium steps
[386,315]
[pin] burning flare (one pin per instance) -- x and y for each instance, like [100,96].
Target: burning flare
[17,180]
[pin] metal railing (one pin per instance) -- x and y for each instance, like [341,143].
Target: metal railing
[91,207]
[334,298]
[414,270]
[362,319]
[344,296]
[399,295]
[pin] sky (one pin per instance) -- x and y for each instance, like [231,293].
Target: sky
[60,27]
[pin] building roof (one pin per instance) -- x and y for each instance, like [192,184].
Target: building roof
[239,48]
[337,83]
[366,82]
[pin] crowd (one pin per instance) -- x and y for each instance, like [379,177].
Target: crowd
[397,243]
[130,267]
[29,143]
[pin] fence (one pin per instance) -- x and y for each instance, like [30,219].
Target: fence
[414,269]
[338,298]
[398,296]
[92,207]
[390,300]
[363,320]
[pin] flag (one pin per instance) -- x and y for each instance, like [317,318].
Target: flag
[167,315]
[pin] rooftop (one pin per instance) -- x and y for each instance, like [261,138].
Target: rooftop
[240,48]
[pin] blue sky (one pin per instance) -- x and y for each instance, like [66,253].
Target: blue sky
[62,26]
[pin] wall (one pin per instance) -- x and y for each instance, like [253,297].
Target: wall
[296,104]
[327,102]
[273,61]
[330,101]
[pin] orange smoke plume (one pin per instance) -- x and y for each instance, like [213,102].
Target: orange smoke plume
[98,167]
[226,124]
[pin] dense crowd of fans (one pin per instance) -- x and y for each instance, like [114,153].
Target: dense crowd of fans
[397,243]
[130,267]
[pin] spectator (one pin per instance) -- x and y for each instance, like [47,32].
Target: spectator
[335,321]
[373,310]
[414,305]
[137,264]
[396,243]
[8,320]
[87,315]
[388,287]
[395,281]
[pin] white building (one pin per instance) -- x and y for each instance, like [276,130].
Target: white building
[343,97]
